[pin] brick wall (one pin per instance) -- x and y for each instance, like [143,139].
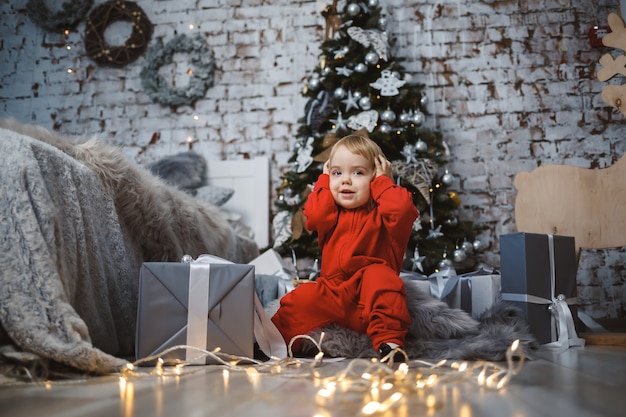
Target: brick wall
[511,85]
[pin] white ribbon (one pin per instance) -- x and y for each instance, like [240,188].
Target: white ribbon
[562,319]
[197,310]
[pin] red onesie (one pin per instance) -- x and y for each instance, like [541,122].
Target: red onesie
[362,251]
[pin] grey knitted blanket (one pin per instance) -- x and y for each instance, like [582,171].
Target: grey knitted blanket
[76,222]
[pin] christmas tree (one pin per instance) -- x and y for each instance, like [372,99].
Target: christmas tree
[359,86]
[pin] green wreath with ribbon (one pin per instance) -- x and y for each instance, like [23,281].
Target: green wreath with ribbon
[71,13]
[202,75]
[103,16]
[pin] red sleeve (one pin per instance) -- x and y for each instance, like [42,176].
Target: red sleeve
[320,209]
[395,205]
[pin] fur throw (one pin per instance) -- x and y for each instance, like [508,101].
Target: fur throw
[77,219]
[436,332]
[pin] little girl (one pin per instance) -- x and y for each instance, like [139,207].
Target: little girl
[363,222]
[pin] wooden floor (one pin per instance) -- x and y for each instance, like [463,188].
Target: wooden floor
[587,382]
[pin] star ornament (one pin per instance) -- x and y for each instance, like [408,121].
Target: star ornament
[416,261]
[350,102]
[388,84]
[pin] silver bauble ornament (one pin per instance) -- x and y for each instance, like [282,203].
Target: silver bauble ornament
[357,95]
[447,178]
[339,93]
[365,103]
[326,71]
[459,255]
[418,118]
[371,58]
[467,246]
[314,84]
[424,101]
[452,221]
[360,67]
[477,245]
[405,118]
[388,116]
[353,9]
[421,146]
[444,263]
[382,23]
[372,3]
[385,128]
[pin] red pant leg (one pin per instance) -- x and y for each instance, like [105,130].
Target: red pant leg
[309,307]
[383,297]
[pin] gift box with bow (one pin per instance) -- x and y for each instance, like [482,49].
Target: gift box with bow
[200,304]
[539,276]
[473,292]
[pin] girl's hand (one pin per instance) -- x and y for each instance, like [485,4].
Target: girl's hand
[326,169]
[383,166]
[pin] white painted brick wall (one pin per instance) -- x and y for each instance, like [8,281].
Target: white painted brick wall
[511,85]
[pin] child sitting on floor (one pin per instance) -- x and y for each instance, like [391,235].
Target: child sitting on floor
[363,222]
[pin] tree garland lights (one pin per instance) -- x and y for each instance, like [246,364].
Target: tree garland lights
[103,16]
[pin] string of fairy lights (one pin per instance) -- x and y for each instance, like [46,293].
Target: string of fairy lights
[381,385]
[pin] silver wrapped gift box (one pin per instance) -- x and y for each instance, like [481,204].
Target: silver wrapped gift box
[201,305]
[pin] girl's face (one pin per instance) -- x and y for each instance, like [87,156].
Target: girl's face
[350,177]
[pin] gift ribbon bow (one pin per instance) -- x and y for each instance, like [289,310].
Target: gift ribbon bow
[266,334]
[558,306]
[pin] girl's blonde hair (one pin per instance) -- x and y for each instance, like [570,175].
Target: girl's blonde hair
[359,145]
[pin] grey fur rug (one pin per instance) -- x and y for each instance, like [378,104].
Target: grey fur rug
[77,219]
[436,332]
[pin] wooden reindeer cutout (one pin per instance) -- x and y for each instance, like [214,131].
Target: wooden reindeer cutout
[333,20]
[614,95]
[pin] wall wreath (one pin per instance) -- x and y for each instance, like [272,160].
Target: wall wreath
[201,78]
[72,12]
[103,16]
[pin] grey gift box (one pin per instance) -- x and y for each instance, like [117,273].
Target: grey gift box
[163,310]
[474,292]
[525,270]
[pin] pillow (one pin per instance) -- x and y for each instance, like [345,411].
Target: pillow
[214,194]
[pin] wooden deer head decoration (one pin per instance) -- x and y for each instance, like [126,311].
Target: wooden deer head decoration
[614,95]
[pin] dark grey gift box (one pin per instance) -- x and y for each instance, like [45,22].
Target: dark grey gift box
[163,310]
[525,270]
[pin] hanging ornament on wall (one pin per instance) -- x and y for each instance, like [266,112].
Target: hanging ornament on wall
[71,13]
[101,18]
[201,77]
